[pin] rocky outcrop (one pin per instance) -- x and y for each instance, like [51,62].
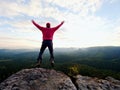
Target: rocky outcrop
[45,79]
[88,83]
[38,79]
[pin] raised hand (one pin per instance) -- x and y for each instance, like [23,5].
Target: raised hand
[62,22]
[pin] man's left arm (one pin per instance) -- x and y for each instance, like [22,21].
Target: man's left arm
[55,28]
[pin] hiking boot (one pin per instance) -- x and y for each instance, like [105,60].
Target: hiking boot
[52,62]
[38,63]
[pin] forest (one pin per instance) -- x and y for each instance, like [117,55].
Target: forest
[93,61]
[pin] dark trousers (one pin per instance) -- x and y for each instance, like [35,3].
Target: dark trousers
[49,44]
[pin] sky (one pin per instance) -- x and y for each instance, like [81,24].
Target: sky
[88,23]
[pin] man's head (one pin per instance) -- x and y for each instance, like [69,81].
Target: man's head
[48,25]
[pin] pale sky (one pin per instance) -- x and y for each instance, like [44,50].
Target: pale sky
[88,23]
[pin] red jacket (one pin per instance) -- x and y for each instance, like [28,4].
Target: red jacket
[47,32]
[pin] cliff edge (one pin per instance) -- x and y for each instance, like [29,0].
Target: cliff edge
[45,79]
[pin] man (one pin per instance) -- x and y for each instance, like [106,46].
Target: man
[47,33]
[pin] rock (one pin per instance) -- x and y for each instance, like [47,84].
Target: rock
[112,80]
[88,83]
[46,79]
[38,79]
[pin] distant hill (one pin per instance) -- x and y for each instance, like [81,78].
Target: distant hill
[91,56]
[108,52]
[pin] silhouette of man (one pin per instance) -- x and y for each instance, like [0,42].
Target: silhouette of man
[47,33]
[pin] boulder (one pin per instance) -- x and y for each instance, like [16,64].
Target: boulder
[38,79]
[89,83]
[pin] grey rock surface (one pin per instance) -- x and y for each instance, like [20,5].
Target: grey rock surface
[46,79]
[38,79]
[88,83]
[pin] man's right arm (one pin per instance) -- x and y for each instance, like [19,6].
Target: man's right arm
[38,26]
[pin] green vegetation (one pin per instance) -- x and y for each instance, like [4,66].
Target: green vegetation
[95,62]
